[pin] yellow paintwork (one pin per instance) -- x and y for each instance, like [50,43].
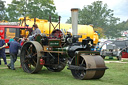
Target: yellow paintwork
[9,34]
[84,30]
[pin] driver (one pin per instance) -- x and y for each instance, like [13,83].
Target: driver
[35,32]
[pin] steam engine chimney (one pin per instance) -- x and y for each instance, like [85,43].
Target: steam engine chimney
[74,15]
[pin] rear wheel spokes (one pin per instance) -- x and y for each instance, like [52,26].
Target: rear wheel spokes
[34,61]
[25,61]
[30,49]
[31,57]
[30,64]
[27,51]
[34,54]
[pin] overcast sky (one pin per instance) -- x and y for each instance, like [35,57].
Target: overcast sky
[63,7]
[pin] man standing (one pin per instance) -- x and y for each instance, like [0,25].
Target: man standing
[2,51]
[13,49]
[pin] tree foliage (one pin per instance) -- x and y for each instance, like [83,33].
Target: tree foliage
[100,32]
[32,8]
[3,15]
[100,16]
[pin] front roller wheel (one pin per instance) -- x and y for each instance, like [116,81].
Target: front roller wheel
[30,57]
[93,67]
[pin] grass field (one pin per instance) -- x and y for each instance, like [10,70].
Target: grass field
[117,74]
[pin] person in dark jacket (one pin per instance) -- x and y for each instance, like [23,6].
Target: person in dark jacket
[2,51]
[13,49]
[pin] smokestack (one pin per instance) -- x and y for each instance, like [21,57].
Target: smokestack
[74,15]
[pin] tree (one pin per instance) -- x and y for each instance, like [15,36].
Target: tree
[96,14]
[32,8]
[112,29]
[99,15]
[3,15]
[100,32]
[124,25]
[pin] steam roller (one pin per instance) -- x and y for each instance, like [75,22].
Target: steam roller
[58,50]
[55,52]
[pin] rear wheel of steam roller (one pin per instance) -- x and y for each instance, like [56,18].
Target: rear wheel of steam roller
[30,57]
[57,67]
[89,62]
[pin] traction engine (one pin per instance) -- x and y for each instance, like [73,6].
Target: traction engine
[55,50]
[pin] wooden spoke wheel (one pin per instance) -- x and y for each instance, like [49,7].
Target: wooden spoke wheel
[30,57]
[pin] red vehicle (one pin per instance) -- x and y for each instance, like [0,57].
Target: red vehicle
[13,29]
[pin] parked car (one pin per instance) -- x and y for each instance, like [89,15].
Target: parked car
[114,48]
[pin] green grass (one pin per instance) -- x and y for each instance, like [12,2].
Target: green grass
[107,58]
[117,74]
